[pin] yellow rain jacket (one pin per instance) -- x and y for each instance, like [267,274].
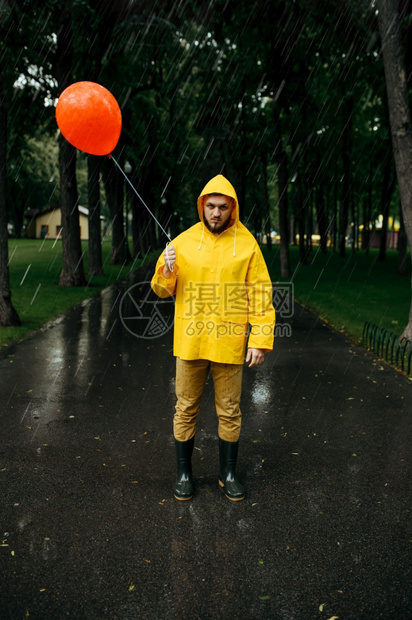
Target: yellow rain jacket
[223,293]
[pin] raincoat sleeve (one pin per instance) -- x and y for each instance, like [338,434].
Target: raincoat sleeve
[261,311]
[164,287]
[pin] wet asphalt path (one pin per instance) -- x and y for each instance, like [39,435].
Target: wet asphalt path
[89,528]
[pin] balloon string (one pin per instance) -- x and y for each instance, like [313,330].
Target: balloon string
[138,195]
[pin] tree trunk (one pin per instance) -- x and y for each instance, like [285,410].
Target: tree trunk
[8,315]
[310,222]
[300,214]
[402,245]
[141,222]
[139,248]
[399,112]
[95,237]
[367,233]
[346,181]
[113,183]
[283,216]
[283,180]
[353,227]
[268,224]
[322,219]
[154,238]
[72,273]
[335,212]
[388,186]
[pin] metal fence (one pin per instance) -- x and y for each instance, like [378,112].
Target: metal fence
[387,345]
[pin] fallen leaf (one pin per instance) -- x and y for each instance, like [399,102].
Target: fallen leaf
[260,562]
[264,598]
[131,587]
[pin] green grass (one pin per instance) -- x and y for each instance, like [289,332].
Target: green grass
[347,292]
[35,268]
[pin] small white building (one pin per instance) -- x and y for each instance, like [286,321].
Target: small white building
[47,224]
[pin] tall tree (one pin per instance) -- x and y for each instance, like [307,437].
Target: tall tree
[114,185]
[99,20]
[8,314]
[72,272]
[283,179]
[399,112]
[347,109]
[95,262]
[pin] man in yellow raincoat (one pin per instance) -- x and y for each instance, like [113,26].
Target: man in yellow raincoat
[223,300]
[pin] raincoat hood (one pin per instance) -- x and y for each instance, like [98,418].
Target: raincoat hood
[219,185]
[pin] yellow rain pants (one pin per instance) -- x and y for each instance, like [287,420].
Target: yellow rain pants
[191,377]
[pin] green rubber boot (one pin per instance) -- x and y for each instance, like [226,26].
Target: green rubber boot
[227,479]
[183,489]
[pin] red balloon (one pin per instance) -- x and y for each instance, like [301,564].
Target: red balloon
[89,117]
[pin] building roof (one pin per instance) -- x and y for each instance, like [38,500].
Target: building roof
[34,213]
